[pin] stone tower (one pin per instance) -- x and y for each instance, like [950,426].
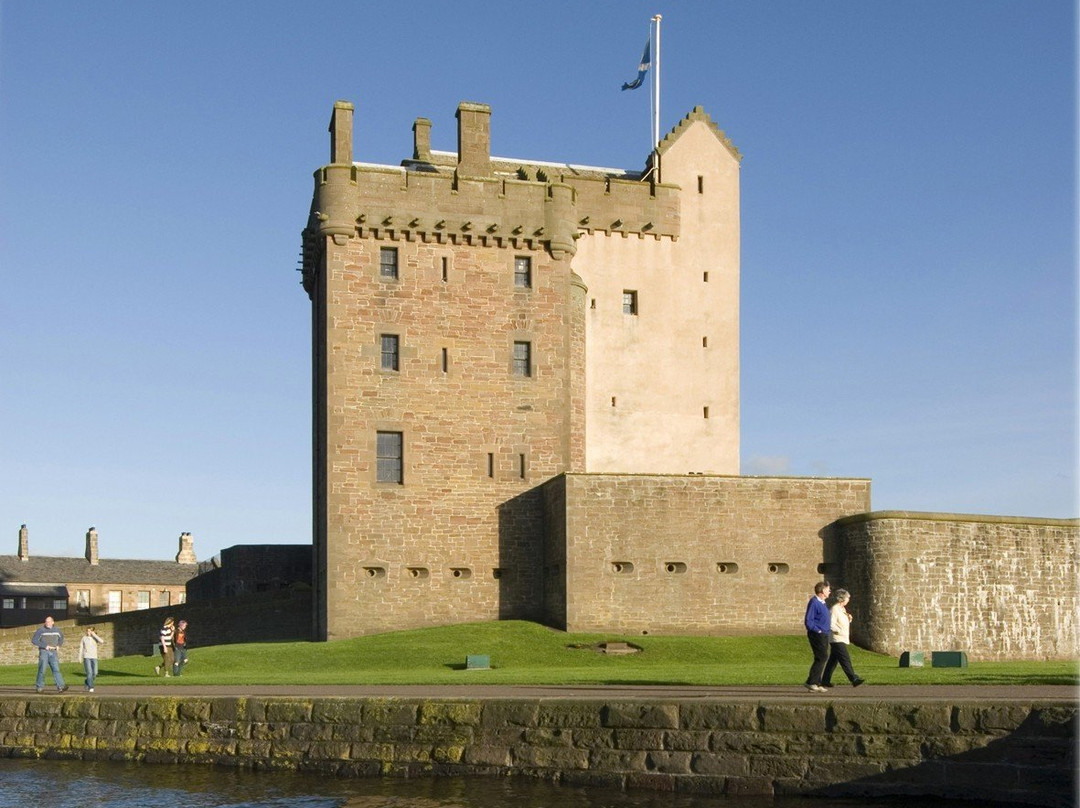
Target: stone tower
[482,325]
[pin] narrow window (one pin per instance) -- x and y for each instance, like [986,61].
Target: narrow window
[491,464]
[445,268]
[705,411]
[704,342]
[388,265]
[523,272]
[523,359]
[115,601]
[388,457]
[390,352]
[629,302]
[445,360]
[705,277]
[700,184]
[521,465]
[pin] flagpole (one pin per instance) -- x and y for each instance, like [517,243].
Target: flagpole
[656,85]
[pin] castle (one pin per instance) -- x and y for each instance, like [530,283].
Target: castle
[526,400]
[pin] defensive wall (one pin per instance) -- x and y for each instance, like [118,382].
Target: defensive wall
[265,617]
[688,554]
[996,587]
[1016,753]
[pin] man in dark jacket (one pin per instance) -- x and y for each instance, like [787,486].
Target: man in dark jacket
[48,640]
[818,629]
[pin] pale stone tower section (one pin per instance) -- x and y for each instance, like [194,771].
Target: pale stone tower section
[663,321]
[186,554]
[24,543]
[92,545]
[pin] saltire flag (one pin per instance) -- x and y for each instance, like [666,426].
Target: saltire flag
[643,68]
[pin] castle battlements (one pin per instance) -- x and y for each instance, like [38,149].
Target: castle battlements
[471,198]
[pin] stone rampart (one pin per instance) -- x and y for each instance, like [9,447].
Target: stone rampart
[262,617]
[1019,753]
[996,587]
[690,554]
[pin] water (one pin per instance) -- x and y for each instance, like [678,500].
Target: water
[77,784]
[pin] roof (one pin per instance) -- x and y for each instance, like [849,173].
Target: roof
[33,590]
[43,569]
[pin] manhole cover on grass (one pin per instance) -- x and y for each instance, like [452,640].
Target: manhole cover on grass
[613,648]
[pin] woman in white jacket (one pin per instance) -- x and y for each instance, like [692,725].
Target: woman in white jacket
[838,644]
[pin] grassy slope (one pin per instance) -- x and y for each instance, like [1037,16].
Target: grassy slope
[526,653]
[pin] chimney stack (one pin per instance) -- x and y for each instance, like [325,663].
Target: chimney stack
[422,140]
[341,133]
[92,546]
[474,140]
[187,550]
[24,544]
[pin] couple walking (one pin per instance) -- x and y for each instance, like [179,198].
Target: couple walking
[829,633]
[172,640]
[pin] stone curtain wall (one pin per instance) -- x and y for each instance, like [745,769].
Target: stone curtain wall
[1015,753]
[265,617]
[696,554]
[995,587]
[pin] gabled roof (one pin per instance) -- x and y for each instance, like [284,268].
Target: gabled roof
[698,114]
[43,569]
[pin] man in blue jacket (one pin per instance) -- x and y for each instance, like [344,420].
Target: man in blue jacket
[48,640]
[818,629]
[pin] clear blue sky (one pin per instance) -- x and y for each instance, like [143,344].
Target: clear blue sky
[909,280]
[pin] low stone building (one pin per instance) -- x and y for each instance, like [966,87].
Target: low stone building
[32,587]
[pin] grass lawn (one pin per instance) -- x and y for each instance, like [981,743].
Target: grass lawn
[527,653]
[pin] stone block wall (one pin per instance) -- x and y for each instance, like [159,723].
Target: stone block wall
[694,553]
[996,587]
[263,617]
[1017,753]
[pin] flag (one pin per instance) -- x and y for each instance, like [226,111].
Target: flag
[642,69]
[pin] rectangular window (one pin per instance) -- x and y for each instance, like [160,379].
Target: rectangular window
[523,272]
[9,603]
[388,267]
[115,601]
[59,605]
[163,598]
[445,360]
[491,464]
[142,599]
[523,359]
[700,184]
[629,301]
[388,457]
[82,600]
[389,352]
[521,465]
[445,269]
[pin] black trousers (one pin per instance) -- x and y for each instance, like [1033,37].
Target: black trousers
[838,655]
[819,643]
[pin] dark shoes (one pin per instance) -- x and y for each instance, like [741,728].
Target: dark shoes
[857,682]
[827,684]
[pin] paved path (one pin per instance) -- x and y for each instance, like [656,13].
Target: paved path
[986,694]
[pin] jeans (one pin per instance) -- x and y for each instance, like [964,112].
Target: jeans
[50,660]
[90,666]
[180,659]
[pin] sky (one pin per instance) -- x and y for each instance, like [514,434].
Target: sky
[909,234]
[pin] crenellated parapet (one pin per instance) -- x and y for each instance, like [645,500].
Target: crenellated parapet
[470,198]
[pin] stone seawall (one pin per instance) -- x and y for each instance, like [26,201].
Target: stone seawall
[1022,753]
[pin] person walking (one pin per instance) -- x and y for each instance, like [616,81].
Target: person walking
[840,626]
[817,622]
[165,640]
[180,648]
[48,639]
[88,648]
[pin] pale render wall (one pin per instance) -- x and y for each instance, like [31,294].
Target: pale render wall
[768,527]
[995,587]
[656,365]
